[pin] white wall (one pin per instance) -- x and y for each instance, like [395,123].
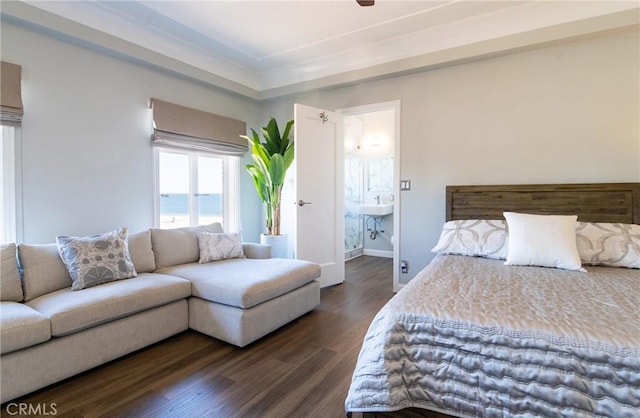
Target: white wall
[564,113]
[87,155]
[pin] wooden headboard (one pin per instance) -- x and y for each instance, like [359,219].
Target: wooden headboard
[597,202]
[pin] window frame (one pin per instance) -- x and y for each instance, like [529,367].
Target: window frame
[230,186]
[11,181]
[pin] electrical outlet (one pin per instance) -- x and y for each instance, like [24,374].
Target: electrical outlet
[404,266]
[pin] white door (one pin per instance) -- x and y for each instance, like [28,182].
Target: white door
[318,191]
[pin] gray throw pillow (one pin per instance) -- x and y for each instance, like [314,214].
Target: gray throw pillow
[96,259]
[219,246]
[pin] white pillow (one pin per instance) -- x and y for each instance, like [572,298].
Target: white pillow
[219,246]
[474,237]
[542,240]
[608,244]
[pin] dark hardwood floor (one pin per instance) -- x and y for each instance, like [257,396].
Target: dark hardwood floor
[301,370]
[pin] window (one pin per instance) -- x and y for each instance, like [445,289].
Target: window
[196,189]
[11,111]
[9,194]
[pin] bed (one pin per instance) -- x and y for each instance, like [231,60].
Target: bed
[472,337]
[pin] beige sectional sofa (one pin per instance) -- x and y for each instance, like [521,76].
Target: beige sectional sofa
[49,332]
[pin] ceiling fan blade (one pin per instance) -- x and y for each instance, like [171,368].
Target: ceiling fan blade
[365,3]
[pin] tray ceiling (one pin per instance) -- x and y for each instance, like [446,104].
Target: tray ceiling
[264,49]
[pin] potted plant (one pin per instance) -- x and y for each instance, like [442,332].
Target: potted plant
[271,159]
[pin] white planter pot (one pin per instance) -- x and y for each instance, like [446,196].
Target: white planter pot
[278,243]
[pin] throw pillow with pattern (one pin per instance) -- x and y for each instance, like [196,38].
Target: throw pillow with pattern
[97,259]
[474,237]
[609,244]
[219,246]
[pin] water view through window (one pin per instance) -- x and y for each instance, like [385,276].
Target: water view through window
[191,191]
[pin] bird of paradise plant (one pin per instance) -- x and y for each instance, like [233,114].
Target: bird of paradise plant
[271,160]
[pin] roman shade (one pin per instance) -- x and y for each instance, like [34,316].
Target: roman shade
[182,127]
[10,93]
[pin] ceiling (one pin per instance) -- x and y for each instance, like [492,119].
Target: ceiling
[268,48]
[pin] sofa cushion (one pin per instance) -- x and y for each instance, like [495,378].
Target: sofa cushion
[10,286]
[141,252]
[255,250]
[42,270]
[71,311]
[245,282]
[21,326]
[172,247]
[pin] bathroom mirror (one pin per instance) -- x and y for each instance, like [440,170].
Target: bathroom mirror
[380,175]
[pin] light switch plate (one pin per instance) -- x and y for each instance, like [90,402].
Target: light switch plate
[405,185]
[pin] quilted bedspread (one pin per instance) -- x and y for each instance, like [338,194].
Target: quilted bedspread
[471,337]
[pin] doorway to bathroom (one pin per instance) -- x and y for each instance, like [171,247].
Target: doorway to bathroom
[371,173]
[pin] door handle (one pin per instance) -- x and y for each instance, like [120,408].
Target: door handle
[302,203]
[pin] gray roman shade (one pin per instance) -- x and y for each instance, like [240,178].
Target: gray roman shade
[182,127]
[10,94]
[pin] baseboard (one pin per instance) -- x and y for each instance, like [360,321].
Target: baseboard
[351,254]
[378,253]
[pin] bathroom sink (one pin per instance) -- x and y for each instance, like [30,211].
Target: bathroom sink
[376,210]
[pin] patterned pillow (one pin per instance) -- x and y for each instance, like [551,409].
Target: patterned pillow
[480,238]
[606,244]
[96,259]
[219,246]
